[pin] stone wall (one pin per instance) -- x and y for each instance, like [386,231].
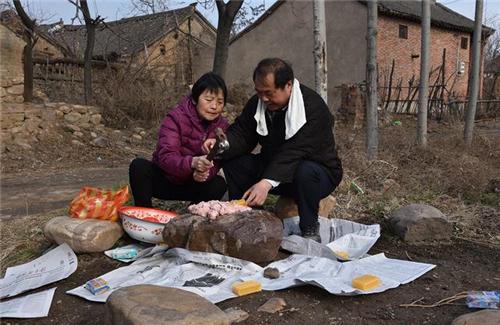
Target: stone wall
[23,125]
[11,69]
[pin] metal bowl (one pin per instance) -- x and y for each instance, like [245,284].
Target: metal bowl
[145,224]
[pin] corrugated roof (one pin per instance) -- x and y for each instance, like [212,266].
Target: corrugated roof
[125,36]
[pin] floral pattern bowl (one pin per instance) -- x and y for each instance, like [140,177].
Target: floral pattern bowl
[145,224]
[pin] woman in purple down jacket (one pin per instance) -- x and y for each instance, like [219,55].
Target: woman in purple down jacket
[179,170]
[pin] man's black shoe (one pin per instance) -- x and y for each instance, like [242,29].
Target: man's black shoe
[312,232]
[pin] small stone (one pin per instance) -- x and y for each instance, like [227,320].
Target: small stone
[149,304]
[22,142]
[86,126]
[271,273]
[71,128]
[72,117]
[236,315]
[136,137]
[142,133]
[78,134]
[80,109]
[138,129]
[117,132]
[95,119]
[85,119]
[483,317]
[420,223]
[127,148]
[3,92]
[59,114]
[76,142]
[16,90]
[83,235]
[273,305]
[93,135]
[65,109]
[99,142]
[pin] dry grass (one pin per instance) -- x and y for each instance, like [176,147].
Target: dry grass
[23,238]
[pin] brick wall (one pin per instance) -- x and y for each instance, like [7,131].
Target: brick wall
[406,53]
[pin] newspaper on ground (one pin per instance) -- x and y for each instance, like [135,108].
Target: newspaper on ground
[140,251]
[212,275]
[340,239]
[31,306]
[206,274]
[336,277]
[57,264]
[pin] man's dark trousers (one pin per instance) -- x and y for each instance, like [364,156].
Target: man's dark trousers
[311,183]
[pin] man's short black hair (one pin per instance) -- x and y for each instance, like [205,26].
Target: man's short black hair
[210,81]
[281,70]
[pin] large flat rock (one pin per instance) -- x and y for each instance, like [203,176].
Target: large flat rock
[83,235]
[253,235]
[149,304]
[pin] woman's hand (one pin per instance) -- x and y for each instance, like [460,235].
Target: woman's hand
[201,164]
[257,194]
[208,145]
[200,176]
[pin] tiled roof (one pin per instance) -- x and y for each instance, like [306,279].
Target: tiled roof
[125,36]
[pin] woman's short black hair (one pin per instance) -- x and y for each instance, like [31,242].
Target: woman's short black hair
[210,81]
[281,70]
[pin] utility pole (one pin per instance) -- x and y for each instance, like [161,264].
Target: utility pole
[371,83]
[474,77]
[320,66]
[423,92]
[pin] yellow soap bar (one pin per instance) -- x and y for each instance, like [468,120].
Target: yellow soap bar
[343,254]
[246,287]
[366,282]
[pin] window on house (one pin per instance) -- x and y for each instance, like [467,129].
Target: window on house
[403,31]
[464,43]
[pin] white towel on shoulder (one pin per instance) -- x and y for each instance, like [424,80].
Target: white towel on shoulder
[295,117]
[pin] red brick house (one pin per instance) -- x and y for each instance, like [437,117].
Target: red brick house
[398,39]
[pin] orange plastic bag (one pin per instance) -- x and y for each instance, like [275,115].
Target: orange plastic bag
[96,203]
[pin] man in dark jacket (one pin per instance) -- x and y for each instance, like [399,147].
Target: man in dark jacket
[298,158]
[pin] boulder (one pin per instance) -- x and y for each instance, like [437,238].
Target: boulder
[83,235]
[237,235]
[286,207]
[483,317]
[149,304]
[420,223]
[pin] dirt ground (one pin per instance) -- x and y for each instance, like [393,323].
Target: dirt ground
[464,184]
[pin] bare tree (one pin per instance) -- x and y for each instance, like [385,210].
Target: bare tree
[30,39]
[146,7]
[371,83]
[474,77]
[90,26]
[246,16]
[423,92]
[227,13]
[319,52]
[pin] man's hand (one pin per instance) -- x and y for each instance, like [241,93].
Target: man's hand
[201,164]
[207,145]
[200,176]
[257,194]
